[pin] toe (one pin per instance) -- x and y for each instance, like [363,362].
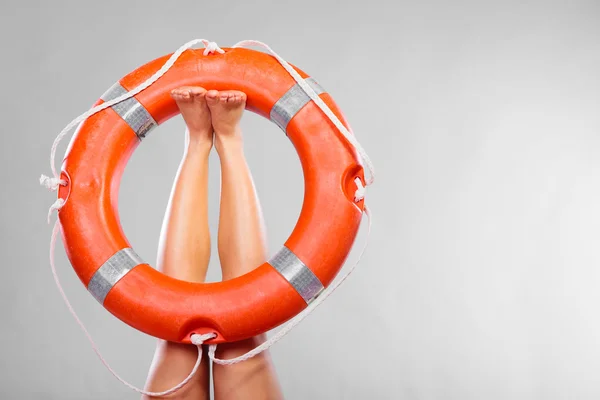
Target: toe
[180,94]
[238,98]
[197,91]
[226,97]
[199,95]
[212,97]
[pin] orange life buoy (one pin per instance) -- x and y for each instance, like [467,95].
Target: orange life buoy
[239,308]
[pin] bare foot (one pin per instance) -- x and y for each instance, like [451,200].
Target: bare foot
[194,110]
[226,108]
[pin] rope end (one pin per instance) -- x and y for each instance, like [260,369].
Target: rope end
[361,190]
[51,183]
[198,339]
[56,206]
[211,47]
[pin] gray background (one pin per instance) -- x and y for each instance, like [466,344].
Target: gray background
[482,118]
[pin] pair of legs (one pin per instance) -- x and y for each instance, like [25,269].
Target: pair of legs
[212,119]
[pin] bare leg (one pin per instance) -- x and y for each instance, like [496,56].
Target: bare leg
[184,249]
[242,247]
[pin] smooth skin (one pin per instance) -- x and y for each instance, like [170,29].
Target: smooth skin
[212,119]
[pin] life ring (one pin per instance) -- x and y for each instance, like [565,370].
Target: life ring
[239,308]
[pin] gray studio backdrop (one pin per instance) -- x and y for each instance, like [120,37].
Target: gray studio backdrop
[482,119]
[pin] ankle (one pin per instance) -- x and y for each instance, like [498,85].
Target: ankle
[198,143]
[228,143]
[199,133]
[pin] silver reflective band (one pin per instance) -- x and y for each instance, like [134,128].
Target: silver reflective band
[115,268]
[131,110]
[297,274]
[291,102]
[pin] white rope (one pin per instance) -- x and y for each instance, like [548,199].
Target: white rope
[298,318]
[359,195]
[58,204]
[198,340]
[54,182]
[361,190]
[51,183]
[211,47]
[319,102]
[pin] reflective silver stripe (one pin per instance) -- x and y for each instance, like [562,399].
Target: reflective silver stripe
[297,274]
[291,102]
[112,271]
[131,110]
